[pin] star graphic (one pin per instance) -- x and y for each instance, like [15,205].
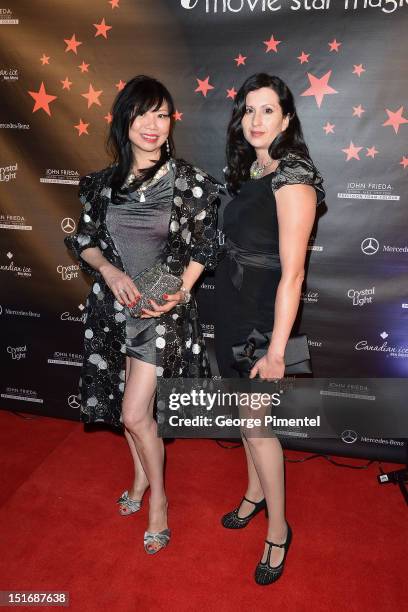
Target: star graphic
[44,59]
[358,69]
[319,87]
[66,83]
[102,29]
[352,152]
[404,161]
[203,86]
[358,111]
[42,99]
[334,45]
[72,44]
[371,152]
[83,67]
[329,128]
[303,57]
[395,119]
[114,4]
[120,85]
[272,44]
[240,60]
[82,128]
[177,116]
[231,93]
[92,96]
[108,118]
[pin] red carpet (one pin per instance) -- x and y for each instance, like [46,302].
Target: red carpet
[59,529]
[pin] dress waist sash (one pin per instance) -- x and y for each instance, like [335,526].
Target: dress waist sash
[240,257]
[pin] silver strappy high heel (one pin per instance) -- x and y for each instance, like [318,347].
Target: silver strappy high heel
[162,538]
[132,505]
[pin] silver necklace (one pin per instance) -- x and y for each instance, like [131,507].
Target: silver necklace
[140,190]
[256,170]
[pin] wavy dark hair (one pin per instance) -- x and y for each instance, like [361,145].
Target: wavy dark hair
[140,94]
[240,154]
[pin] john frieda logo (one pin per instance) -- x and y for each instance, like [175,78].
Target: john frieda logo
[370,246]
[68,225]
[349,436]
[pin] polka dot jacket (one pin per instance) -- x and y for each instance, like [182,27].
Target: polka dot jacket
[180,345]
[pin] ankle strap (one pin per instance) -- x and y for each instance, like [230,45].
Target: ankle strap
[273,544]
[252,502]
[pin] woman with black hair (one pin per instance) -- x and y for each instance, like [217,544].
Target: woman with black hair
[146,208]
[258,283]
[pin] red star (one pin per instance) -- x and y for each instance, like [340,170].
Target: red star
[404,161]
[272,44]
[72,44]
[82,127]
[114,3]
[42,99]
[240,60]
[371,152]
[203,86]
[177,116]
[102,28]
[303,57]
[334,45]
[319,87]
[120,85]
[352,152]
[231,93]
[66,83]
[108,118]
[44,59]
[395,119]
[358,111]
[92,96]
[329,128]
[358,69]
[83,67]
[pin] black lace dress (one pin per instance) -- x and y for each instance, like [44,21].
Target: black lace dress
[249,272]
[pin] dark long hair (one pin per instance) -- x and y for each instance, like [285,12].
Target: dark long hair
[139,95]
[240,154]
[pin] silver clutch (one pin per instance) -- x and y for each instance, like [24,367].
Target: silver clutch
[151,284]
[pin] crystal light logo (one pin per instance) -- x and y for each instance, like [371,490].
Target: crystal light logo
[68,272]
[17,352]
[14,222]
[61,176]
[6,17]
[68,225]
[390,350]
[368,191]
[361,297]
[66,316]
[370,246]
[23,271]
[8,173]
[8,74]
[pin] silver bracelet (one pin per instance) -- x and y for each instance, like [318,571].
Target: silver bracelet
[186,295]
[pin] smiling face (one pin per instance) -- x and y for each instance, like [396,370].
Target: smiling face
[263,119]
[149,131]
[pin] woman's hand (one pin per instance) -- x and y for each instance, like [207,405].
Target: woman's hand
[156,311]
[269,367]
[121,285]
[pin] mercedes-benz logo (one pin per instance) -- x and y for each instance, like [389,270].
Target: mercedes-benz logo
[73,402]
[370,246]
[349,436]
[68,225]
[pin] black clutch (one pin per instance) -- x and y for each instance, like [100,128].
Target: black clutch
[297,355]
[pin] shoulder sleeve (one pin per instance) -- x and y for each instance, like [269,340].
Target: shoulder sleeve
[296,170]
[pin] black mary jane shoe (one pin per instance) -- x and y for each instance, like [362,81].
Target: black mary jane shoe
[233,521]
[264,573]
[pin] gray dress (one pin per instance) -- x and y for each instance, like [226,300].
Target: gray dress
[139,229]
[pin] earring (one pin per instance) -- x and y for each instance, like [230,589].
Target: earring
[168,147]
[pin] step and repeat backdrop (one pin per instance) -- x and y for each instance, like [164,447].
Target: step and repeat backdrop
[61,64]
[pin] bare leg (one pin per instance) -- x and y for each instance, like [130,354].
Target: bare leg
[138,419]
[267,457]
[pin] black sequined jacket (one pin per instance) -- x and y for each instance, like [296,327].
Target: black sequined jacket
[180,345]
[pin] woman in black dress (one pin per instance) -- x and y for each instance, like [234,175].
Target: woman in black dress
[145,208]
[258,283]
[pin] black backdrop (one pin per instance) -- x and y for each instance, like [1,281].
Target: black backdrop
[344,62]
